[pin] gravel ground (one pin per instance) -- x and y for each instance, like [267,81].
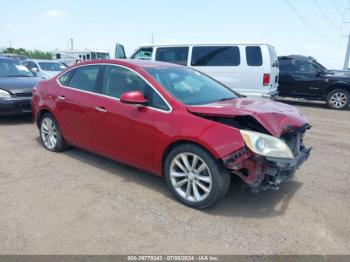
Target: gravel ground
[79,203]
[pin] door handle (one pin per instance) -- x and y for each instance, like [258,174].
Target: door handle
[61,98]
[101,109]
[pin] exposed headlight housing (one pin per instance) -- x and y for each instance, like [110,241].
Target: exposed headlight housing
[4,94]
[266,145]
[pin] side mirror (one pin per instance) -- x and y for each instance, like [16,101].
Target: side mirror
[319,72]
[35,70]
[134,98]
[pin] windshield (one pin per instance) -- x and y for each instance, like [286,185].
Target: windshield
[13,69]
[191,87]
[51,66]
[322,67]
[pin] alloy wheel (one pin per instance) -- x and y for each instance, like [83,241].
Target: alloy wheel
[190,176]
[49,133]
[339,100]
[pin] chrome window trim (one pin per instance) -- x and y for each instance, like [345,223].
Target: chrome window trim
[114,98]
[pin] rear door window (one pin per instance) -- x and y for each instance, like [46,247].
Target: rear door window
[273,56]
[215,56]
[176,55]
[254,56]
[64,79]
[85,78]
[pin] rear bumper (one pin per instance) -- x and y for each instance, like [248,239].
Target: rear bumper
[15,106]
[271,95]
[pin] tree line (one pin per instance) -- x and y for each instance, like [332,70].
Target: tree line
[33,54]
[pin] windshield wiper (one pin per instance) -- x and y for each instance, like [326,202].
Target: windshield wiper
[226,98]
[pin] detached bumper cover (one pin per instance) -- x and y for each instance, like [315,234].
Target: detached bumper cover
[289,164]
[15,106]
[260,172]
[282,169]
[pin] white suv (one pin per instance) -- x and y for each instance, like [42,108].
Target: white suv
[250,69]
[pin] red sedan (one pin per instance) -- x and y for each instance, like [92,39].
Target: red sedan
[172,121]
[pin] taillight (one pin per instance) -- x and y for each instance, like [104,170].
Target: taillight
[266,79]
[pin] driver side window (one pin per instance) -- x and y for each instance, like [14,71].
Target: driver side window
[305,67]
[118,80]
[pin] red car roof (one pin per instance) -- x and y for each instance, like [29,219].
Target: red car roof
[130,63]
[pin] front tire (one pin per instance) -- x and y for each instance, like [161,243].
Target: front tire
[338,99]
[50,134]
[194,177]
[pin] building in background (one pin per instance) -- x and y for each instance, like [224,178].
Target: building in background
[73,56]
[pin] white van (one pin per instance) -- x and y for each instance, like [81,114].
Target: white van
[250,69]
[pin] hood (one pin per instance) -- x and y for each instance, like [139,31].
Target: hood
[339,74]
[50,74]
[16,85]
[277,118]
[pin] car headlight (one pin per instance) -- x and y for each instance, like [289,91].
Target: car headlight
[4,94]
[266,145]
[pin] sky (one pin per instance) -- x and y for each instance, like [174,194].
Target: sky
[307,27]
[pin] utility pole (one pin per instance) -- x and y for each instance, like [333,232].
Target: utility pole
[71,43]
[347,55]
[152,39]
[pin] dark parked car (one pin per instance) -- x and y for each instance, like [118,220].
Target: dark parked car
[16,85]
[172,121]
[19,58]
[304,77]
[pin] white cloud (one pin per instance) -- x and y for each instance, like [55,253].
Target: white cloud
[9,26]
[56,12]
[313,46]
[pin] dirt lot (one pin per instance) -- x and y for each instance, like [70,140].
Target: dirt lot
[78,203]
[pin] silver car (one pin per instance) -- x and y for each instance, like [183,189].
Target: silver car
[44,68]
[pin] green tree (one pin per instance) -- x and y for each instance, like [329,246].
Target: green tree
[33,54]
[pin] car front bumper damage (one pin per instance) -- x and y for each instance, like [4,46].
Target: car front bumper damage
[261,173]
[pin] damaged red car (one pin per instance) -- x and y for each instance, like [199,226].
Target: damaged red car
[172,121]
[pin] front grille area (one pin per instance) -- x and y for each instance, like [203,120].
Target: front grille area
[295,139]
[28,94]
[26,107]
[294,142]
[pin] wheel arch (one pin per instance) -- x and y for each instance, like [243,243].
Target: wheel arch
[176,143]
[41,113]
[338,85]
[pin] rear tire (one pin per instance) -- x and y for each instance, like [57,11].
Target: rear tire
[50,134]
[194,177]
[338,99]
